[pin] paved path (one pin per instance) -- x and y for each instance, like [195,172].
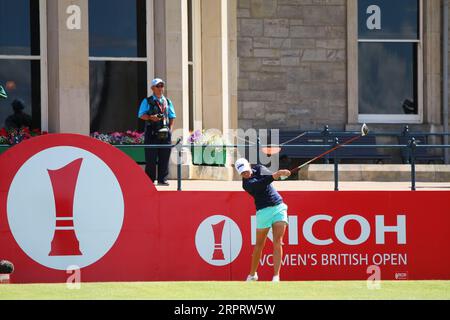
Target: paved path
[197,185]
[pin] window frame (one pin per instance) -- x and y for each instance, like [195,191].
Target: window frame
[396,118]
[195,64]
[149,59]
[42,57]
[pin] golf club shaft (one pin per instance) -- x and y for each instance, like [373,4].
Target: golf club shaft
[295,170]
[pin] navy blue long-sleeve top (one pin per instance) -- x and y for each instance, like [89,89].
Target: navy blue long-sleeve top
[259,186]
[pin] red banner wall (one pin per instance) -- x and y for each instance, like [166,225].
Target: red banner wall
[127,231]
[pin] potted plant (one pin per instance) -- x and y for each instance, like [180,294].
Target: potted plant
[119,139]
[10,137]
[4,140]
[206,148]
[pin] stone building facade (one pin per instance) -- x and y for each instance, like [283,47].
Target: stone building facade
[292,63]
[286,64]
[298,63]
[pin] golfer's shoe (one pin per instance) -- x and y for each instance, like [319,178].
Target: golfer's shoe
[253,278]
[276,279]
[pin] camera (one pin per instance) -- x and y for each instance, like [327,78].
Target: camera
[163,133]
[160,130]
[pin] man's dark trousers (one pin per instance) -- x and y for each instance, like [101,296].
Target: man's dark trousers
[157,157]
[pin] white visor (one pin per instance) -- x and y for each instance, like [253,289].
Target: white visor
[242,165]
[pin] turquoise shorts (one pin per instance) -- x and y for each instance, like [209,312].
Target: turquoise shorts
[266,217]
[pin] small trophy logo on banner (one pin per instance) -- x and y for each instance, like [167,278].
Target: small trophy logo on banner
[64,181]
[218,248]
[218,240]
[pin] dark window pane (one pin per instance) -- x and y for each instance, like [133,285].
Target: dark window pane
[22,81]
[388,78]
[117,89]
[190,31]
[117,28]
[191,97]
[399,19]
[19,27]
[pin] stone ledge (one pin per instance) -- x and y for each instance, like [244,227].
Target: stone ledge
[322,172]
[376,172]
[211,173]
[191,172]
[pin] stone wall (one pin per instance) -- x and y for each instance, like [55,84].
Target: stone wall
[292,63]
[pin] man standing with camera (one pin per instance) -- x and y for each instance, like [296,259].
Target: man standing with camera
[159,114]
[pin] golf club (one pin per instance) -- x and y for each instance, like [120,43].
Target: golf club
[364,132]
[273,149]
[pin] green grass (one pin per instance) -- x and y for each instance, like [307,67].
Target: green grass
[232,290]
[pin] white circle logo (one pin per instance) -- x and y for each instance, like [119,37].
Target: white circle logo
[65,207]
[218,240]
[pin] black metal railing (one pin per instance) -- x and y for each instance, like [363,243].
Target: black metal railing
[411,147]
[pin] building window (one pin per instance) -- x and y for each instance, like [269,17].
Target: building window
[389,55]
[190,8]
[22,70]
[194,63]
[118,63]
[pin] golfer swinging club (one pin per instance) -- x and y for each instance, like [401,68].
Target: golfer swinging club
[271,212]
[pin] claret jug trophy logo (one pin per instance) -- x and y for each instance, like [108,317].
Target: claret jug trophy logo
[65,207]
[65,242]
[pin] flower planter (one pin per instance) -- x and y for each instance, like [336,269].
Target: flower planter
[135,153]
[204,155]
[123,142]
[3,149]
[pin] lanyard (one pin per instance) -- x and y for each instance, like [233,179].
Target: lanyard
[162,108]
